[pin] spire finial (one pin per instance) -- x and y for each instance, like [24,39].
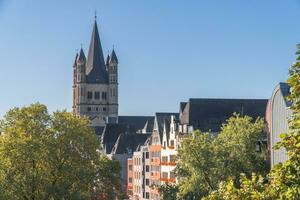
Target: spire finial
[81,45]
[95,15]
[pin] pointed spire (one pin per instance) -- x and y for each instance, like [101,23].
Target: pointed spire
[95,68]
[76,56]
[107,59]
[113,57]
[81,56]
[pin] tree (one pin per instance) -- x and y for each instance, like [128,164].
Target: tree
[284,179]
[205,160]
[54,156]
[168,191]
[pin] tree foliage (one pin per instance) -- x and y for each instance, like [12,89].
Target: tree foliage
[204,160]
[284,178]
[54,156]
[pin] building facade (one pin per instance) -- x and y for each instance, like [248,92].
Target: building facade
[95,84]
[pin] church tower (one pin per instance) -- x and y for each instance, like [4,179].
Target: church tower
[95,84]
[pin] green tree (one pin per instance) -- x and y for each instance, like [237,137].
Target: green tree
[284,179]
[168,191]
[205,160]
[56,156]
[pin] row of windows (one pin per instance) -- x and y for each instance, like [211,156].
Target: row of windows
[137,161]
[146,154]
[96,109]
[171,143]
[166,175]
[96,95]
[137,175]
[172,158]
[155,154]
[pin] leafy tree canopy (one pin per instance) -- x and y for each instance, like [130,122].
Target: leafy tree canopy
[205,159]
[53,156]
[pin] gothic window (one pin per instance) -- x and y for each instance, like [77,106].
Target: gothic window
[97,95]
[89,108]
[81,91]
[104,109]
[96,108]
[90,95]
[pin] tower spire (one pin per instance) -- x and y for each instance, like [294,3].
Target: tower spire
[95,68]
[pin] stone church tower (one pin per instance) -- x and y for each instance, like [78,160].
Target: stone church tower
[95,84]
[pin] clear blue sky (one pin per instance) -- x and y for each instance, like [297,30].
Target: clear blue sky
[168,50]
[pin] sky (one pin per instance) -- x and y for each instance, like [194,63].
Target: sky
[168,51]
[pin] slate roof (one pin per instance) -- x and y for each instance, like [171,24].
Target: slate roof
[111,133]
[127,143]
[137,122]
[95,66]
[209,114]
[98,130]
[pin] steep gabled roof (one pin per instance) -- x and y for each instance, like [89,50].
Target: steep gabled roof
[95,67]
[160,119]
[210,114]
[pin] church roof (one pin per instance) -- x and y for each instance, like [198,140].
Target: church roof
[137,122]
[209,114]
[111,133]
[95,68]
[127,143]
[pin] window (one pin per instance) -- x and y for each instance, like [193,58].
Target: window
[96,108]
[130,180]
[147,168]
[89,108]
[104,95]
[97,95]
[104,108]
[172,143]
[89,95]
[147,154]
[147,181]
[147,195]
[164,159]
[130,167]
[165,174]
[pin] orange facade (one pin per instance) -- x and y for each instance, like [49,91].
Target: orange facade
[130,177]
